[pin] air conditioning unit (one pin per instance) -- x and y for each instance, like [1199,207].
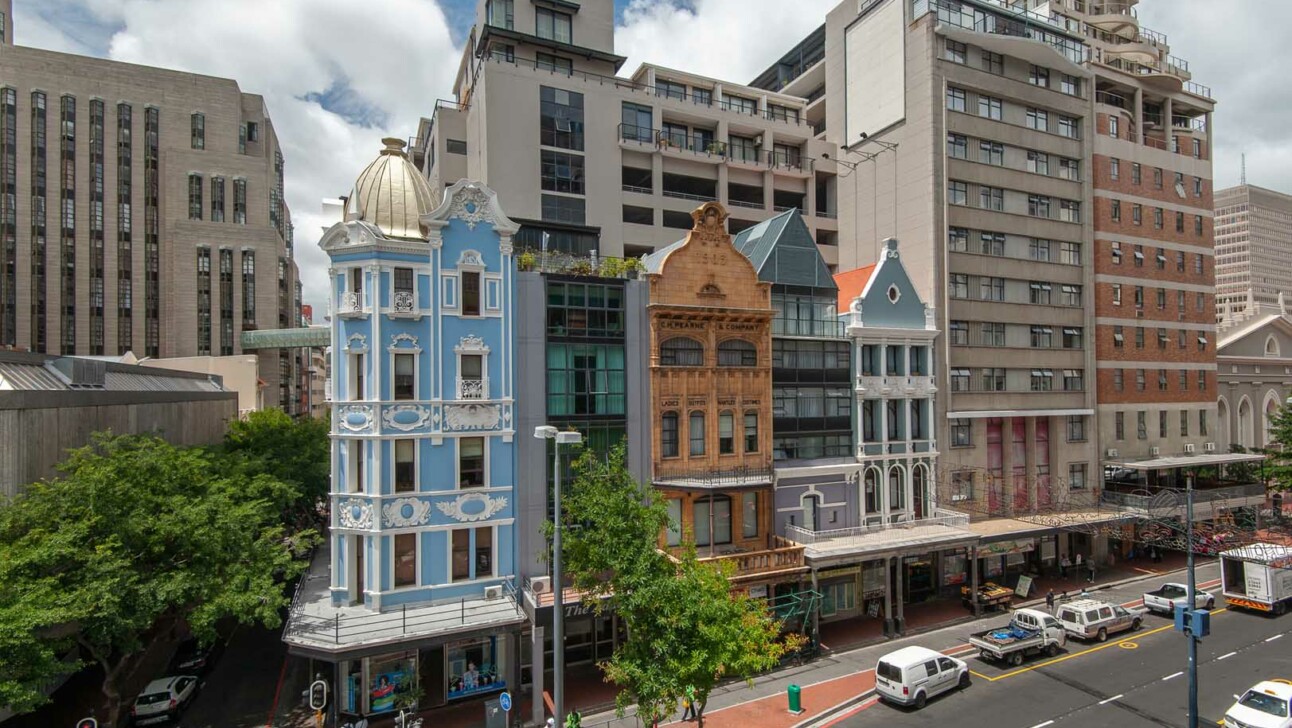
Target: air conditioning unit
[1209,446]
[1189,448]
[493,592]
[1112,452]
[540,584]
[1154,451]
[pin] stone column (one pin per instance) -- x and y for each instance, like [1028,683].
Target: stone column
[538,711]
[899,624]
[888,597]
[973,580]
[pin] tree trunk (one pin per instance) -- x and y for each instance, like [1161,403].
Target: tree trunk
[111,674]
[699,711]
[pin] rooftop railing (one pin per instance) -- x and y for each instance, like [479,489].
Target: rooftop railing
[698,476]
[941,517]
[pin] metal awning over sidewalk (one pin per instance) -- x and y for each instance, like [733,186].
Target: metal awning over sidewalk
[1187,461]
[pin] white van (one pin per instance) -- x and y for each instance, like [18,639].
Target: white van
[1092,619]
[912,675]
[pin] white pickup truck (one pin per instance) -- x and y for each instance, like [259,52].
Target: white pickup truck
[1029,632]
[1164,599]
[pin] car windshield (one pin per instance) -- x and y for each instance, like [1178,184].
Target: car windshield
[890,672]
[152,698]
[1271,704]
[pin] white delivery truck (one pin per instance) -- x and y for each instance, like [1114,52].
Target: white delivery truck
[1258,576]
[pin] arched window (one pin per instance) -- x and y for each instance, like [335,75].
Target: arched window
[1245,424]
[695,432]
[1271,346]
[712,520]
[871,494]
[668,434]
[681,351]
[920,486]
[737,353]
[897,490]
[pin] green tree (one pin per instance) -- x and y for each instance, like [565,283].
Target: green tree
[292,451]
[1278,466]
[685,626]
[136,535]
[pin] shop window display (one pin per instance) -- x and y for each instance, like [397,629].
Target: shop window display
[473,668]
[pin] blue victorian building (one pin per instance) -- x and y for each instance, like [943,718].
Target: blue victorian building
[417,600]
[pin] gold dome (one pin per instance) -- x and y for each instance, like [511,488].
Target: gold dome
[392,194]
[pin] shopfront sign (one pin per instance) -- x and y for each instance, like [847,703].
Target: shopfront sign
[836,573]
[576,610]
[1000,548]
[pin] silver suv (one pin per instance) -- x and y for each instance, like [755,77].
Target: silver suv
[163,699]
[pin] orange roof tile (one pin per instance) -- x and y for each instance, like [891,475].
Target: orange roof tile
[851,283]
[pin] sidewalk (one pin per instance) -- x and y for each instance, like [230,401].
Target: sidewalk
[842,674]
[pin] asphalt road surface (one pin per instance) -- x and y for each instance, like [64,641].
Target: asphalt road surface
[1136,680]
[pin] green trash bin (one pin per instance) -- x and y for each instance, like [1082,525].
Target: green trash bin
[796,702]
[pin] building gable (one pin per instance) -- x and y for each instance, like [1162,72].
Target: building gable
[888,298]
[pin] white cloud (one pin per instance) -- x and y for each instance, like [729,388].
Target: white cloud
[731,40]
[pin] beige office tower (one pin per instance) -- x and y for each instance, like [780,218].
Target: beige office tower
[1253,252]
[591,162]
[142,210]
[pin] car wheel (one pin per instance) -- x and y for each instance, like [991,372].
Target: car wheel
[1052,649]
[964,680]
[1016,659]
[1280,609]
[1135,625]
[1103,634]
[920,700]
[1211,603]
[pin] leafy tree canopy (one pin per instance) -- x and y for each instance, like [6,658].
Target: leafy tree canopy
[136,531]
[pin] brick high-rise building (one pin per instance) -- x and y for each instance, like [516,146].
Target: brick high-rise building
[142,210]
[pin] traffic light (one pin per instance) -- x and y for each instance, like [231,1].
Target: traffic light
[87,723]
[318,695]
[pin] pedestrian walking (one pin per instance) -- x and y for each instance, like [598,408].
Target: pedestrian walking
[1063,566]
[688,704]
[1049,601]
[1091,566]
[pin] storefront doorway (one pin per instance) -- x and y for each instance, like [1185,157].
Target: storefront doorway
[918,583]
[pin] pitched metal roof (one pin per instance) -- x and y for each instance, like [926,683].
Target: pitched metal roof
[21,372]
[783,252]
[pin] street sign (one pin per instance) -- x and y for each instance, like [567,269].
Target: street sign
[87,723]
[318,695]
[504,701]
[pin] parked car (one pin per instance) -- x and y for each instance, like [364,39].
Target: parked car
[1267,705]
[912,675]
[163,699]
[194,658]
[1029,632]
[1092,619]
[1163,600]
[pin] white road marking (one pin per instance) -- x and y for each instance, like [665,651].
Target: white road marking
[1230,654]
[1177,674]
[1042,725]
[1271,639]
[1109,700]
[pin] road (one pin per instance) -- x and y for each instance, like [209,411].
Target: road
[1136,681]
[240,689]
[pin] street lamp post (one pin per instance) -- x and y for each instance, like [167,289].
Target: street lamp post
[1190,624]
[548,432]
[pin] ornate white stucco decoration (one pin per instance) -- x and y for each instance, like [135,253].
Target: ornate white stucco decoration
[404,342]
[355,513]
[471,507]
[357,344]
[471,344]
[472,203]
[406,417]
[354,417]
[471,416]
[470,259]
[405,512]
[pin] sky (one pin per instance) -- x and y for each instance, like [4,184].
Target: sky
[338,75]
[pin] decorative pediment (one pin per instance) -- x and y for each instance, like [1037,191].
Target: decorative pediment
[472,507]
[404,342]
[471,344]
[708,219]
[470,259]
[356,344]
[710,290]
[472,203]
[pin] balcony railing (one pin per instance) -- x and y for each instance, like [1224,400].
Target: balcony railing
[918,385]
[1104,97]
[941,517]
[473,388]
[750,205]
[404,302]
[1020,23]
[705,145]
[684,475]
[351,303]
[784,555]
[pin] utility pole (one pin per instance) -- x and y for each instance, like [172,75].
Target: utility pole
[1190,624]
